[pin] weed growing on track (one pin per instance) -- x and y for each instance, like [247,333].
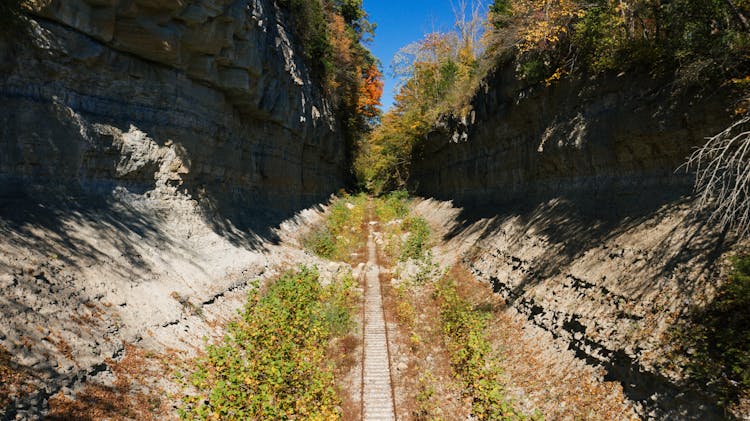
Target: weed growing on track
[393,205]
[341,234]
[406,235]
[471,358]
[415,245]
[272,362]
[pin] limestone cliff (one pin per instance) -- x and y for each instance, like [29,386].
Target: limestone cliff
[625,132]
[567,200]
[210,98]
[147,150]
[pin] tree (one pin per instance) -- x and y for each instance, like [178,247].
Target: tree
[370,93]
[500,13]
[469,24]
[429,71]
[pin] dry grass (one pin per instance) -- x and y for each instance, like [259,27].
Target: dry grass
[425,387]
[63,346]
[13,380]
[135,394]
[538,375]
[346,355]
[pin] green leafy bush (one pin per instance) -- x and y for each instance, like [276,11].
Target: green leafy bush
[272,362]
[715,344]
[393,205]
[415,245]
[322,243]
[471,354]
[341,234]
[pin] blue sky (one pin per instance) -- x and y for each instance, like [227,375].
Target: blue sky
[400,23]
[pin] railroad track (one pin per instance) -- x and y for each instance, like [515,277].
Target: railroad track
[377,387]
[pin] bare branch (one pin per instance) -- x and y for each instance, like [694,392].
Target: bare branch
[722,177]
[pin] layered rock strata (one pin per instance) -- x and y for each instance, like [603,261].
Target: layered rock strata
[568,200]
[146,150]
[210,98]
[585,135]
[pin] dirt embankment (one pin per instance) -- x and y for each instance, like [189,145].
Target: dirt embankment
[100,301]
[608,289]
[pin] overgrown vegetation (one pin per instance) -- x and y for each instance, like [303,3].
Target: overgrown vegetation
[415,245]
[406,235]
[272,362]
[471,353]
[474,365]
[333,35]
[697,40]
[714,347]
[341,233]
[703,43]
[392,206]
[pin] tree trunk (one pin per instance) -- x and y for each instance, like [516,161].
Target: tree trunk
[738,13]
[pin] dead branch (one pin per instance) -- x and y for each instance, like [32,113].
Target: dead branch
[722,182]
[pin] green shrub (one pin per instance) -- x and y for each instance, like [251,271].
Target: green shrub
[716,341]
[322,243]
[393,205]
[416,243]
[533,69]
[272,362]
[341,233]
[471,354]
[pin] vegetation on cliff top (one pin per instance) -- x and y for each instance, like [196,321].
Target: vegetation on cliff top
[702,43]
[697,40]
[333,35]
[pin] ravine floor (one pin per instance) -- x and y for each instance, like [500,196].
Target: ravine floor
[377,390]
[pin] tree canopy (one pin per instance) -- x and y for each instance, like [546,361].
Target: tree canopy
[704,43]
[334,34]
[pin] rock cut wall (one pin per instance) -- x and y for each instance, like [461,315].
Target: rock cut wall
[625,132]
[147,150]
[566,200]
[210,98]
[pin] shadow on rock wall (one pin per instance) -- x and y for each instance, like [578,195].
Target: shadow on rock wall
[90,122]
[573,224]
[591,267]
